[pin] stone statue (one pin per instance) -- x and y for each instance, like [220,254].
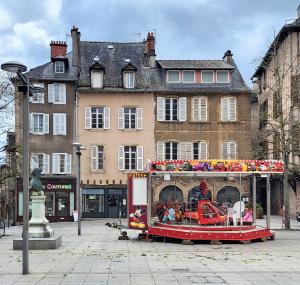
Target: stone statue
[35,182]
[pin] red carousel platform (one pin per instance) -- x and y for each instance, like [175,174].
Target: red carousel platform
[210,233]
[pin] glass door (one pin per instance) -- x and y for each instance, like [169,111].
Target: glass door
[62,204]
[49,204]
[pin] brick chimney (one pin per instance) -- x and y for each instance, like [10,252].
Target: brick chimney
[58,48]
[75,46]
[150,50]
[228,57]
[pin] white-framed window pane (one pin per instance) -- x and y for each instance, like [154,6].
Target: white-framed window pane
[97,78]
[38,123]
[40,161]
[129,118]
[62,161]
[56,93]
[97,117]
[188,76]
[129,79]
[171,109]
[130,155]
[100,157]
[59,67]
[207,76]
[222,77]
[173,76]
[171,150]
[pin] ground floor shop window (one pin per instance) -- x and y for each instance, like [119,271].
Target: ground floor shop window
[49,204]
[93,203]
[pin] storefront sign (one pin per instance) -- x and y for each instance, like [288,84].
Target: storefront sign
[50,186]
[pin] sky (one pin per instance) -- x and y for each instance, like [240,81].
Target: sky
[185,29]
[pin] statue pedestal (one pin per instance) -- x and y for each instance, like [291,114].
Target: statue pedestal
[38,224]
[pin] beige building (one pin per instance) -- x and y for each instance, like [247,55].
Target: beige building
[277,82]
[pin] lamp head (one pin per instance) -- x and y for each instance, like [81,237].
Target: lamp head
[14,66]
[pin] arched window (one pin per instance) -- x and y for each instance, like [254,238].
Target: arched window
[171,193]
[228,194]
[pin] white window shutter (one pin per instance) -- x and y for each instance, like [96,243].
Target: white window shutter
[203,109]
[97,78]
[94,157]
[56,122]
[160,150]
[63,123]
[203,150]
[62,93]
[55,163]
[51,93]
[195,109]
[160,109]
[106,118]
[68,163]
[232,150]
[224,150]
[34,161]
[31,123]
[232,109]
[88,118]
[121,118]
[46,163]
[140,158]
[189,150]
[139,112]
[46,123]
[121,158]
[182,109]
[224,109]
[182,150]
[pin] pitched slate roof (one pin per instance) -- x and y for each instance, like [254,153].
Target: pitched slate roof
[280,37]
[194,64]
[112,57]
[46,72]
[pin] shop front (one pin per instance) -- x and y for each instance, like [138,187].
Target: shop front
[103,202]
[60,198]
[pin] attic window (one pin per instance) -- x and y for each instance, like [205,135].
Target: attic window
[97,78]
[59,66]
[223,76]
[129,79]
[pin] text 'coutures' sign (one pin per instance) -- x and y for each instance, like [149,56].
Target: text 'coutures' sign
[50,186]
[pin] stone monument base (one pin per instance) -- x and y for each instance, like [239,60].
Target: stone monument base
[53,242]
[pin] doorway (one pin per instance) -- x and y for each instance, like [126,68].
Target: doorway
[116,203]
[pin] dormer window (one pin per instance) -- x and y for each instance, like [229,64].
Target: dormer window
[207,76]
[128,73]
[188,76]
[173,76]
[97,74]
[59,66]
[222,76]
[129,79]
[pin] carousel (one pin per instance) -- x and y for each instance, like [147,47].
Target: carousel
[200,217]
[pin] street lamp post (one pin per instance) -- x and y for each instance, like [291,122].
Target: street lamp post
[26,88]
[78,147]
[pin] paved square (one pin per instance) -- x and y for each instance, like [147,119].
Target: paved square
[98,257]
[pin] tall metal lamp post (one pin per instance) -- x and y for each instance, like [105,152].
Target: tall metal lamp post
[25,88]
[78,147]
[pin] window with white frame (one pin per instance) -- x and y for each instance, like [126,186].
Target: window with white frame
[228,109]
[97,117]
[59,66]
[39,123]
[199,108]
[130,158]
[173,76]
[37,98]
[222,76]
[171,150]
[171,109]
[207,76]
[229,150]
[97,78]
[97,157]
[61,163]
[57,93]
[129,79]
[40,160]
[130,118]
[200,150]
[188,76]
[59,124]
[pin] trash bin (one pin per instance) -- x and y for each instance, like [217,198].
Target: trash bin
[75,216]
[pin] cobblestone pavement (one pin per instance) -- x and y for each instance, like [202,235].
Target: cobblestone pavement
[98,257]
